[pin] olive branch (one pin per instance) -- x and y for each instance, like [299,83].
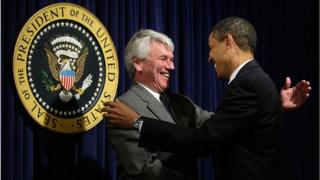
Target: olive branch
[46,81]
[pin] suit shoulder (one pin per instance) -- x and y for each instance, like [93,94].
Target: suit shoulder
[261,78]
[128,97]
[256,77]
[262,85]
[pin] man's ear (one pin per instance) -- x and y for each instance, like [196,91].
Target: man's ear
[137,64]
[229,40]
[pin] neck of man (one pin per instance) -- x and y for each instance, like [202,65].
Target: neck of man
[139,79]
[240,58]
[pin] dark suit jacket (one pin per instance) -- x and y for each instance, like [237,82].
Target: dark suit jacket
[139,163]
[243,135]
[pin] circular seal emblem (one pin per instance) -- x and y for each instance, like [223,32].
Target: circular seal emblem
[65,68]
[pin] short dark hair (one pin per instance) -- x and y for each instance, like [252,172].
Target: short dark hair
[241,30]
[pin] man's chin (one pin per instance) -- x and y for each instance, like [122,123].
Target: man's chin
[221,77]
[165,88]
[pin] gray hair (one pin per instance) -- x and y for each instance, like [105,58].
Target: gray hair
[139,46]
[241,30]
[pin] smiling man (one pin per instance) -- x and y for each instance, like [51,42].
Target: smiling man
[149,61]
[244,134]
[154,70]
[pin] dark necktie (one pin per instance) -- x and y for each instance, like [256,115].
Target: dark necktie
[164,99]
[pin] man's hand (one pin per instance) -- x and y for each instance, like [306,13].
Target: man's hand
[119,114]
[294,97]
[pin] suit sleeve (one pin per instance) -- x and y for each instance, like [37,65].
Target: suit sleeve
[136,162]
[231,121]
[201,115]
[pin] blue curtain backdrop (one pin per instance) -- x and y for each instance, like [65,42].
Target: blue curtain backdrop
[288,34]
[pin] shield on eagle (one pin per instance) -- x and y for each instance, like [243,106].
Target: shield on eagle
[67,78]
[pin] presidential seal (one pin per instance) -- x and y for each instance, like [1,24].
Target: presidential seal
[65,68]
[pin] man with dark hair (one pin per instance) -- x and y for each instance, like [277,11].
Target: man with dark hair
[244,133]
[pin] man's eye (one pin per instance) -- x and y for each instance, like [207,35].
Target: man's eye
[165,58]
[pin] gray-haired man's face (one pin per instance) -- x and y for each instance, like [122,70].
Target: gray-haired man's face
[156,70]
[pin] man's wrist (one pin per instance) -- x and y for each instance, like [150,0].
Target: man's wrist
[137,123]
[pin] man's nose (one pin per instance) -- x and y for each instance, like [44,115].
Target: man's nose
[170,65]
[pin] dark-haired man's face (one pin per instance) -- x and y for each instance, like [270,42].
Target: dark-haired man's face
[219,58]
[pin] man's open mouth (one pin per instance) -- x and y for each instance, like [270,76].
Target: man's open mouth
[165,74]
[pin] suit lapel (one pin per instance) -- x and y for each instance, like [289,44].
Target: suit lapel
[152,103]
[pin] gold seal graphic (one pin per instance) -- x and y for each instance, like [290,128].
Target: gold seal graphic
[65,68]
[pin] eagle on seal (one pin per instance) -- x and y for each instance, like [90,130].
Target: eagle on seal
[67,68]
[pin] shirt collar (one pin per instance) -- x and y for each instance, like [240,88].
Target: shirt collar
[236,71]
[155,94]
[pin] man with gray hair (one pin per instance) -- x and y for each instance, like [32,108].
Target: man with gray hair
[149,62]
